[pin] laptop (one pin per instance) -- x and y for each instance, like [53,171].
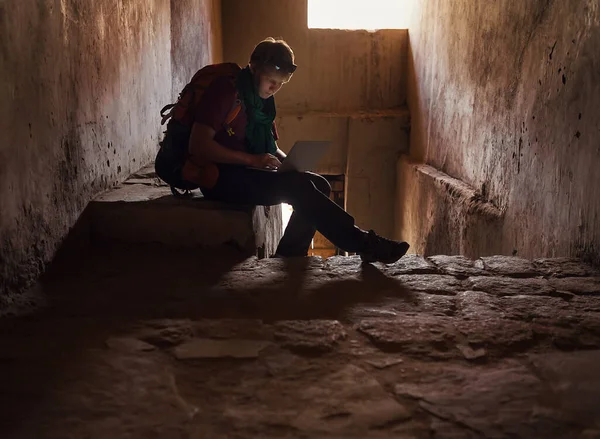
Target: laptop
[304,156]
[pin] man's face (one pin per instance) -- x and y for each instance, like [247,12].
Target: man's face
[269,82]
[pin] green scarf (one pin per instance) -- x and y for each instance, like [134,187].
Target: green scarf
[261,114]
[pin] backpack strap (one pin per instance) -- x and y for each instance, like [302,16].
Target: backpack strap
[164,115]
[167,111]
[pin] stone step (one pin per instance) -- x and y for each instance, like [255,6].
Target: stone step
[143,210]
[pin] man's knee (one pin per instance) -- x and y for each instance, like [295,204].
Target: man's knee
[299,185]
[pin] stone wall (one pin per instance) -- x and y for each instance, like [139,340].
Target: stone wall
[82,86]
[503,97]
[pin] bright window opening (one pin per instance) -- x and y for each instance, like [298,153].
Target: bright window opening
[359,14]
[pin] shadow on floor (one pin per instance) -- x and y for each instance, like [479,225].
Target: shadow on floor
[95,295]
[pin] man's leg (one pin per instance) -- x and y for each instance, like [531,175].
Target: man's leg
[247,186]
[237,184]
[299,232]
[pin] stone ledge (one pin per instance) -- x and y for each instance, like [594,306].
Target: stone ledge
[143,210]
[439,214]
[460,191]
[145,194]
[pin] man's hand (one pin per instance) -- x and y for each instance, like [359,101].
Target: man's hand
[265,161]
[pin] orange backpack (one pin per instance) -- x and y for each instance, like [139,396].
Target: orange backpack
[189,98]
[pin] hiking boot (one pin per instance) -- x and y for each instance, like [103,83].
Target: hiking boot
[380,249]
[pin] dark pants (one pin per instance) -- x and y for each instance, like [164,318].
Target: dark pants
[308,194]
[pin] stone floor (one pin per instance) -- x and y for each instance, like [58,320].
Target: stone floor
[151,342]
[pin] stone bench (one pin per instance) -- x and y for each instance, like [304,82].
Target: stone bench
[143,210]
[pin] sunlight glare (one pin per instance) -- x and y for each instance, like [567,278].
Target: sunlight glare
[359,14]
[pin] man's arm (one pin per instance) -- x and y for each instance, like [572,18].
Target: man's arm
[202,144]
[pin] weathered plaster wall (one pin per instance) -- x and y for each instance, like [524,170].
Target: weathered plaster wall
[504,96]
[338,70]
[82,85]
[195,38]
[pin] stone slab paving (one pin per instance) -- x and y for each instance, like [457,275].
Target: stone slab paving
[151,342]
